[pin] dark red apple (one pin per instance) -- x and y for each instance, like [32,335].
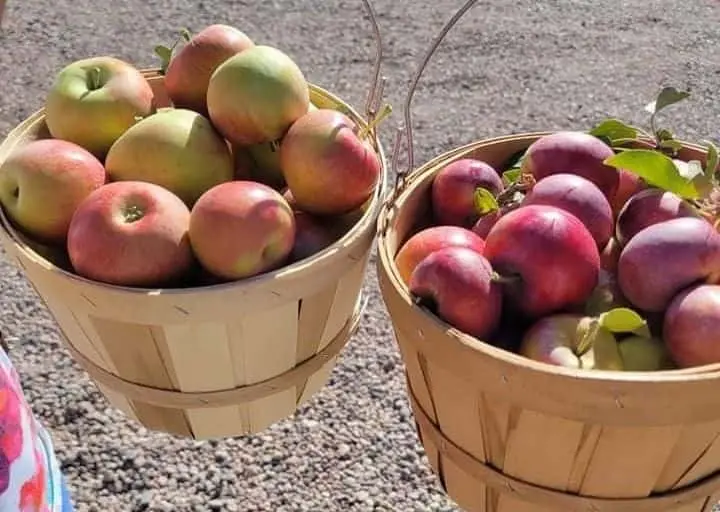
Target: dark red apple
[664,258]
[649,207]
[691,329]
[485,223]
[312,235]
[547,258]
[431,239]
[572,152]
[453,191]
[629,185]
[458,283]
[578,196]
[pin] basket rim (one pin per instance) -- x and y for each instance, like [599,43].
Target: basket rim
[389,212]
[367,222]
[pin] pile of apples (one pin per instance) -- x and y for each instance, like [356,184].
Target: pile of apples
[591,249]
[241,174]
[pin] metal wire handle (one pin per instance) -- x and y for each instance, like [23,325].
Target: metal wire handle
[401,175]
[377,83]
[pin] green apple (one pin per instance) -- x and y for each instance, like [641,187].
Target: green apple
[644,354]
[92,102]
[176,148]
[42,184]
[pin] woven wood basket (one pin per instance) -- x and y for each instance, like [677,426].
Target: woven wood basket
[214,361]
[507,434]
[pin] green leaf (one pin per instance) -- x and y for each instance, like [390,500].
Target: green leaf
[666,97]
[613,129]
[165,55]
[656,169]
[512,175]
[484,201]
[664,134]
[712,159]
[671,144]
[621,320]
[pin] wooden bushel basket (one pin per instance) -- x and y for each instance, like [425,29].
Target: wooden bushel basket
[213,361]
[507,434]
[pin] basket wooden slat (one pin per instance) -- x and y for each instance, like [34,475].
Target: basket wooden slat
[211,361]
[507,434]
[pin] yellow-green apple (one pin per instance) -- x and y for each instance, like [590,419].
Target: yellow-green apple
[428,240]
[569,340]
[188,73]
[572,152]
[176,148]
[644,354]
[665,258]
[43,182]
[457,284]
[266,164]
[92,102]
[241,228]
[648,207]
[329,165]
[547,258]
[131,233]
[255,95]
[243,163]
[691,328]
[579,196]
[454,188]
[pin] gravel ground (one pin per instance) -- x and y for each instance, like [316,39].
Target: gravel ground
[507,67]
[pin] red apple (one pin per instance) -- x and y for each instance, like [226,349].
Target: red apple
[572,152]
[547,257]
[485,223]
[429,240]
[457,282]
[453,191]
[610,255]
[629,185]
[43,182]
[92,102]
[328,166]
[691,329]
[241,228]
[578,196]
[649,207]
[189,71]
[663,259]
[312,235]
[131,233]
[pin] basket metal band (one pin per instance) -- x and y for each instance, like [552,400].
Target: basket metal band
[296,376]
[555,500]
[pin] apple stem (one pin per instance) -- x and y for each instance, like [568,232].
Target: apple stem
[275,146]
[510,279]
[379,117]
[95,74]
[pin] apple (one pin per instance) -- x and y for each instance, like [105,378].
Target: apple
[453,191]
[565,339]
[175,148]
[329,166]
[189,70]
[241,228]
[458,283]
[242,162]
[485,223]
[664,258]
[92,102]
[424,242]
[312,235]
[43,182]
[131,233]
[572,152]
[644,354]
[648,207]
[628,185]
[547,258]
[256,95]
[691,327]
[579,196]
[266,164]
